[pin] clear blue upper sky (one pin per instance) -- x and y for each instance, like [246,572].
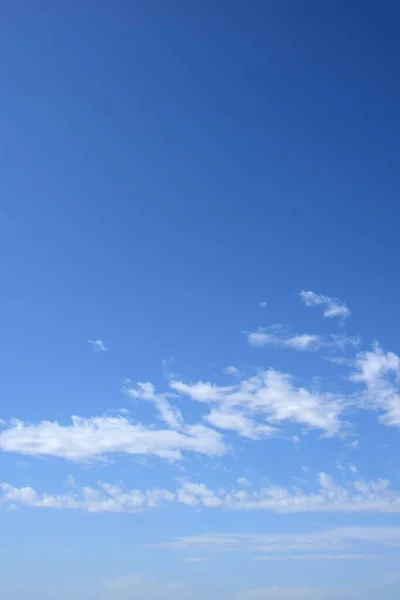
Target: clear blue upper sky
[174,175]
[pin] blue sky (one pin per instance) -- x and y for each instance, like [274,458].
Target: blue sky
[200,359]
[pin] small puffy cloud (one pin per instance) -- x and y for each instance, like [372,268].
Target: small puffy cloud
[97,345]
[243,481]
[346,467]
[379,373]
[332,306]
[231,370]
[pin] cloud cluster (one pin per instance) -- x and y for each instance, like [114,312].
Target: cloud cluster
[256,407]
[356,496]
[253,408]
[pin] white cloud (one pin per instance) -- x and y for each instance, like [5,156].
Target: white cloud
[166,367]
[256,407]
[232,419]
[168,413]
[262,337]
[244,482]
[97,437]
[270,396]
[346,467]
[354,445]
[280,338]
[231,371]
[97,345]
[106,498]
[355,496]
[332,306]
[379,371]
[196,494]
[252,408]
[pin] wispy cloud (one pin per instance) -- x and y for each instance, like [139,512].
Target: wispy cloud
[168,413]
[280,337]
[297,593]
[97,345]
[317,542]
[321,557]
[140,588]
[194,559]
[332,306]
[98,437]
[234,420]
[354,444]
[263,337]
